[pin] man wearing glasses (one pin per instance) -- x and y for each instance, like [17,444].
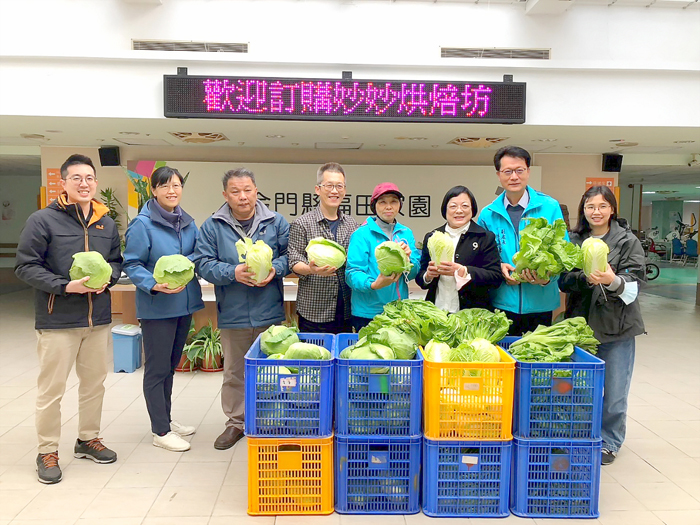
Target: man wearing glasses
[71,320]
[246,307]
[530,303]
[323,297]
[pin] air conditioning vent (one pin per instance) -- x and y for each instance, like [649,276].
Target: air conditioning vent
[477,142]
[481,52]
[196,47]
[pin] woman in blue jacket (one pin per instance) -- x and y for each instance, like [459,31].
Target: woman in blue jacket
[370,289]
[162,228]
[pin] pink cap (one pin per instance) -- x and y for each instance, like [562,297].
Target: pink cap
[383,189]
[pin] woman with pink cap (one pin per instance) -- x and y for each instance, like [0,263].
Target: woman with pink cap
[370,289]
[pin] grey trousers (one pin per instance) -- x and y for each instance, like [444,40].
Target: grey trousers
[235,342]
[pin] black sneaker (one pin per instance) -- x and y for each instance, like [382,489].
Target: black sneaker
[47,468]
[94,450]
[607,457]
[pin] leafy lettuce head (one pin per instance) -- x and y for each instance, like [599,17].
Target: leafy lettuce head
[391,258]
[175,270]
[441,247]
[257,256]
[324,252]
[93,265]
[595,255]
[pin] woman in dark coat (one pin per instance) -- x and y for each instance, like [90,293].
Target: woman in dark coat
[465,281]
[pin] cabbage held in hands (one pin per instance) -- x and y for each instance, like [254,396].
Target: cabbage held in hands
[324,252]
[391,258]
[441,247]
[595,255]
[93,265]
[173,270]
[257,256]
[544,249]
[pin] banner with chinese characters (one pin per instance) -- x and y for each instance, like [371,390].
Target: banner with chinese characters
[344,100]
[290,188]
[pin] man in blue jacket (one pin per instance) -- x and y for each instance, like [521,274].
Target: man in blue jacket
[530,303]
[245,307]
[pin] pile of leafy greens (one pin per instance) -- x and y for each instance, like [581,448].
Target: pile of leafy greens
[482,323]
[551,344]
[391,258]
[257,256]
[544,250]
[277,338]
[324,252]
[174,270]
[93,265]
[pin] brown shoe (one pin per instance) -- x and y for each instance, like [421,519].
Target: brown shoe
[229,438]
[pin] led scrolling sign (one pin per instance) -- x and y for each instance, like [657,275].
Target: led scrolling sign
[341,100]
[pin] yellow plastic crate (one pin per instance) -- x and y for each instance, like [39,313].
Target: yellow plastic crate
[469,401]
[290,476]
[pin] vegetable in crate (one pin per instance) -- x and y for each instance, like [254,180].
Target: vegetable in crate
[371,352]
[595,255]
[441,247]
[93,265]
[544,250]
[391,258]
[324,252]
[552,344]
[477,350]
[257,256]
[481,323]
[277,338]
[307,351]
[175,270]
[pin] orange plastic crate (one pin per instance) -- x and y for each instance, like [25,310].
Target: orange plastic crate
[469,401]
[290,476]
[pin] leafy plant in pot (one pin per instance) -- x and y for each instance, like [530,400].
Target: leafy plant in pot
[205,348]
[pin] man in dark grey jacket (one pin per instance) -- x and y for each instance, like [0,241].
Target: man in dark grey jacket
[72,320]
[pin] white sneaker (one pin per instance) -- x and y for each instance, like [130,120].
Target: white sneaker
[171,441]
[182,430]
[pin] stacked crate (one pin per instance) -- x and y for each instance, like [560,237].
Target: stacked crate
[377,433]
[288,421]
[557,422]
[468,411]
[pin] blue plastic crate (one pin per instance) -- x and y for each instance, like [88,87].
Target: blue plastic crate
[298,404]
[558,400]
[375,475]
[386,404]
[466,478]
[555,479]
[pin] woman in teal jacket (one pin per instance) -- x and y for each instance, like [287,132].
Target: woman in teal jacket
[162,228]
[370,289]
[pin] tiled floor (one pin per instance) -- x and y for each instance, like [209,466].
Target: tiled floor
[656,479]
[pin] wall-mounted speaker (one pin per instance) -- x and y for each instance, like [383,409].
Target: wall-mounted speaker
[109,156]
[612,162]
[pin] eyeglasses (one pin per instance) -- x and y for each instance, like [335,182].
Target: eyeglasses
[463,207]
[175,187]
[518,172]
[77,179]
[603,207]
[329,187]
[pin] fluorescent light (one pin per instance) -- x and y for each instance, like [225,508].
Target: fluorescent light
[648,192]
[691,201]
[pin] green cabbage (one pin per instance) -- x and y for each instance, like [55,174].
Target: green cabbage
[90,264]
[441,247]
[307,351]
[372,352]
[277,338]
[437,352]
[595,255]
[544,250]
[257,256]
[324,252]
[391,258]
[477,350]
[401,343]
[175,270]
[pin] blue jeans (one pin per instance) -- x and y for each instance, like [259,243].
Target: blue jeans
[619,363]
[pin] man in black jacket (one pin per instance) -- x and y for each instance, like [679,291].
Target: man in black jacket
[71,320]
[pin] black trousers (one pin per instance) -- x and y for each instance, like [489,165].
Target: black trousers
[163,340]
[527,322]
[334,327]
[358,323]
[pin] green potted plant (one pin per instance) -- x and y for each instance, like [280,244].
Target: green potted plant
[205,348]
